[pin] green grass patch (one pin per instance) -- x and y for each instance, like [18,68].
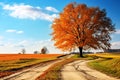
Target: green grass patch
[85,56]
[75,56]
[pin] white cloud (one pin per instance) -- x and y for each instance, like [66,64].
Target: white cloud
[14,31]
[23,11]
[115,45]
[11,30]
[49,8]
[19,32]
[30,46]
[117,31]
[22,44]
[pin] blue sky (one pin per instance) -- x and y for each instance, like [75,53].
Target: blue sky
[26,23]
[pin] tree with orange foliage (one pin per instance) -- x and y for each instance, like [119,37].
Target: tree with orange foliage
[82,27]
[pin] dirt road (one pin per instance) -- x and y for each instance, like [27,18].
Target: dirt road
[33,72]
[30,73]
[78,70]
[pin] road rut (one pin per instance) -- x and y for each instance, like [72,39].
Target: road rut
[78,70]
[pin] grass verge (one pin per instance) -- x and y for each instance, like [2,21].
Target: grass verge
[106,64]
[16,64]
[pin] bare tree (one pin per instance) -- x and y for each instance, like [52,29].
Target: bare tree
[44,50]
[23,51]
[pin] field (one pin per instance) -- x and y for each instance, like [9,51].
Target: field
[26,56]
[106,55]
[108,63]
[10,63]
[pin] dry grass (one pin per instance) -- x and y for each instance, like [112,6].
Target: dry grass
[106,55]
[13,61]
[26,56]
[107,63]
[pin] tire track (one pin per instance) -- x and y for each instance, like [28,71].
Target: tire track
[78,70]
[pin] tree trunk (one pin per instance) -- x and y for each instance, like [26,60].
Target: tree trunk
[80,51]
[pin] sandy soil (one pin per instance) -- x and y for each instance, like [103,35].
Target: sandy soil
[78,70]
[30,73]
